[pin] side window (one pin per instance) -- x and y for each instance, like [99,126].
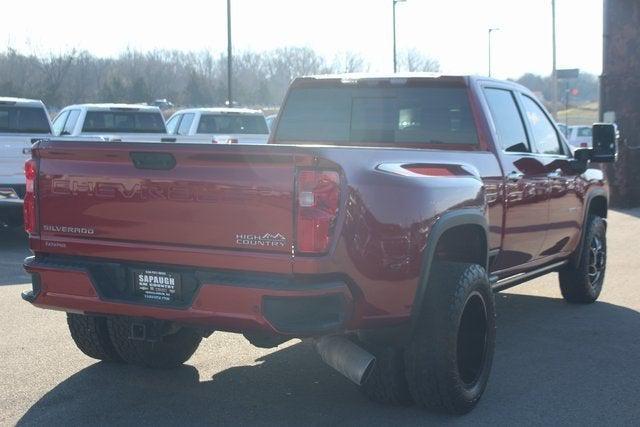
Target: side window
[185,124]
[172,124]
[544,134]
[70,124]
[58,123]
[508,121]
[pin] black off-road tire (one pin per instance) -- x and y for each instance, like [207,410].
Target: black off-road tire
[581,281]
[91,335]
[169,351]
[387,382]
[449,359]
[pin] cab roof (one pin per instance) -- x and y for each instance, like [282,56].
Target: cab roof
[113,106]
[21,102]
[468,79]
[220,110]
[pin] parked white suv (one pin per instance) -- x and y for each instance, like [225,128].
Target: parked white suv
[112,122]
[22,123]
[219,126]
[579,137]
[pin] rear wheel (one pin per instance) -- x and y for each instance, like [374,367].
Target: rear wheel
[91,335]
[582,282]
[449,358]
[168,351]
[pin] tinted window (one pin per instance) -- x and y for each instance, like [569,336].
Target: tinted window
[507,119]
[387,114]
[185,124]
[232,123]
[544,134]
[123,122]
[173,123]
[70,124]
[24,120]
[584,131]
[58,123]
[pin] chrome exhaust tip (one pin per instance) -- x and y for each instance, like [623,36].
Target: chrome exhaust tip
[346,357]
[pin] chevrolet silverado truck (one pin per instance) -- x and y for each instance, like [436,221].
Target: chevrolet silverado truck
[22,123]
[376,224]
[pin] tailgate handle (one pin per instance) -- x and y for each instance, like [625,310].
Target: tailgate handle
[168,139]
[154,161]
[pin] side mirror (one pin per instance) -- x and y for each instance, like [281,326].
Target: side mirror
[605,147]
[581,157]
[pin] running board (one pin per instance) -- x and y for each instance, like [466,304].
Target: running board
[509,282]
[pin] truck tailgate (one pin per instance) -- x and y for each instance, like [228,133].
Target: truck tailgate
[221,197]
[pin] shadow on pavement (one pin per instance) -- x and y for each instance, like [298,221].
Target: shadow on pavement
[555,364]
[14,247]
[635,212]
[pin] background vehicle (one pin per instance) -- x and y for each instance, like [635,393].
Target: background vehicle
[271,119]
[163,104]
[130,122]
[579,136]
[22,122]
[379,222]
[219,125]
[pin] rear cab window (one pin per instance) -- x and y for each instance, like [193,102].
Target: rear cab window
[17,119]
[584,131]
[378,112]
[124,122]
[243,124]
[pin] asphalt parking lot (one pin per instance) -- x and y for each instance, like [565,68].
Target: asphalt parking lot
[554,364]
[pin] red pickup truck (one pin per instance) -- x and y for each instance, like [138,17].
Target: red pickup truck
[378,222]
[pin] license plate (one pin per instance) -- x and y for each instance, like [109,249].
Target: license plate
[157,286]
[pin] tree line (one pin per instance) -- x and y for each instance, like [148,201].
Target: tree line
[586,87]
[260,79]
[184,78]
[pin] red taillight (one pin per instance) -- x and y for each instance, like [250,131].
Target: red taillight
[29,206]
[318,195]
[584,145]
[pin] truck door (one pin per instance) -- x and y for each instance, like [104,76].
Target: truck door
[525,185]
[564,202]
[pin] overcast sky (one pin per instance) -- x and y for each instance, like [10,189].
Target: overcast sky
[452,31]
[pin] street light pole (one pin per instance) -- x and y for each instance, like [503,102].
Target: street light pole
[229,58]
[395,57]
[490,31]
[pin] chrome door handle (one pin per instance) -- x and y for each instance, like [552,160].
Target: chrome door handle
[515,176]
[555,174]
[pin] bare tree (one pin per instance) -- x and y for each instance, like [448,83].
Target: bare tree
[350,62]
[186,78]
[55,69]
[414,60]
